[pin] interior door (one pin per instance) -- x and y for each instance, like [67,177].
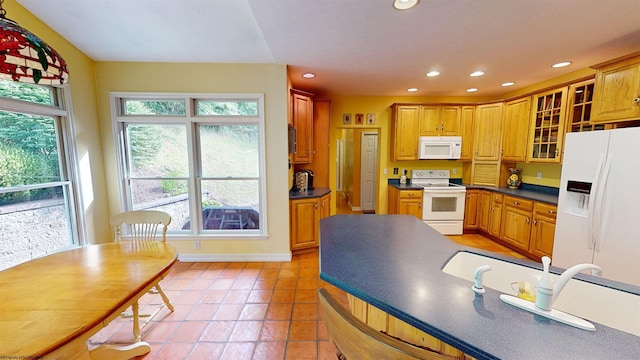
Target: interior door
[369,160]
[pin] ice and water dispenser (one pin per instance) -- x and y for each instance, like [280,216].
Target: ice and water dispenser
[578,194]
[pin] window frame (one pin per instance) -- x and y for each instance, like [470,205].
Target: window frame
[60,110]
[192,120]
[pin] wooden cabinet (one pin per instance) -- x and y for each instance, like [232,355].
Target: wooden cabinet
[471,218]
[405,125]
[490,212]
[516,222]
[305,215]
[495,214]
[616,94]
[488,133]
[579,108]
[547,126]
[440,120]
[408,202]
[543,229]
[517,116]
[302,120]
[466,131]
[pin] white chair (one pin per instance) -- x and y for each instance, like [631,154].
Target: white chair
[142,226]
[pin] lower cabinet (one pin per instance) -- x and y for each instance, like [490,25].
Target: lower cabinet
[305,221]
[524,225]
[543,229]
[408,202]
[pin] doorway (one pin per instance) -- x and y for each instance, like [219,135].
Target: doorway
[356,168]
[368,166]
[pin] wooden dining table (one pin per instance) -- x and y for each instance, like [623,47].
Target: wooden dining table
[52,305]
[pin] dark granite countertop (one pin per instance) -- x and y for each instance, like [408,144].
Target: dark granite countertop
[532,192]
[312,193]
[394,262]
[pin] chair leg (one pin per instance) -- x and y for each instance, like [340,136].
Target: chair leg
[164,297]
[136,322]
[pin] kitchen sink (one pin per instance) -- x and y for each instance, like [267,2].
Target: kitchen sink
[611,307]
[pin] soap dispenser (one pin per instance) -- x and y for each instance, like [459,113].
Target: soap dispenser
[403,177]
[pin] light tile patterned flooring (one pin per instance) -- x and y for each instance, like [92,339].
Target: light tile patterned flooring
[243,310]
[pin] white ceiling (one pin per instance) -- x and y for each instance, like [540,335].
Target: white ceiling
[358,47]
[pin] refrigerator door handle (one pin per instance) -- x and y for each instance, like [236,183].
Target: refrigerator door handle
[592,202]
[600,215]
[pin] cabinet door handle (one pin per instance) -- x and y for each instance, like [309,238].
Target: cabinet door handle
[535,222]
[516,203]
[637,100]
[316,205]
[527,220]
[551,212]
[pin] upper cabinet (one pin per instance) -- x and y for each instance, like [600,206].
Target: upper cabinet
[405,124]
[517,117]
[547,126]
[466,131]
[616,94]
[488,134]
[302,118]
[440,121]
[580,105]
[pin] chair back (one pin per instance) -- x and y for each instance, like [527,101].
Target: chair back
[358,341]
[141,225]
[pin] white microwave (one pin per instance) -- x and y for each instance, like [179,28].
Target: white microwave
[440,147]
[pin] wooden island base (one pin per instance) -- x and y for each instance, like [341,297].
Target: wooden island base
[390,325]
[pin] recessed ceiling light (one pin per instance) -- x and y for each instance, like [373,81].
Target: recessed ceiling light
[561,64]
[433,73]
[472,89]
[412,89]
[477,73]
[508,83]
[405,4]
[308,75]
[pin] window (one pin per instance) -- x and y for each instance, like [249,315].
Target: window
[198,158]
[37,189]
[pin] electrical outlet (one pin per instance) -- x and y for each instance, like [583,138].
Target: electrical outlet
[196,244]
[386,171]
[539,175]
[455,171]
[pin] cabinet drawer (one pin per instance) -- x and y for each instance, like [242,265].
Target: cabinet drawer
[518,203]
[410,194]
[546,210]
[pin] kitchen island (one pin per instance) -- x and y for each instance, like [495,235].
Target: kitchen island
[394,262]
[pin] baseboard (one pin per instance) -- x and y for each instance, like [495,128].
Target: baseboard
[234,257]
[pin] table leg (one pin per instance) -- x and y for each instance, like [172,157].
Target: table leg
[113,352]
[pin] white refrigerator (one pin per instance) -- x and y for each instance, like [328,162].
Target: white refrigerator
[599,203]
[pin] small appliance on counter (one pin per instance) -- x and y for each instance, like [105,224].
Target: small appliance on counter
[303,180]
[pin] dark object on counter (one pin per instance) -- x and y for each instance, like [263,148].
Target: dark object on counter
[303,180]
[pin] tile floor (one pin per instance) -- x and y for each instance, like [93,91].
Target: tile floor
[243,310]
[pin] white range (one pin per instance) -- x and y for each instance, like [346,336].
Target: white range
[442,202]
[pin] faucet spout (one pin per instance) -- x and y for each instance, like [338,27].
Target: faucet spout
[571,272]
[547,294]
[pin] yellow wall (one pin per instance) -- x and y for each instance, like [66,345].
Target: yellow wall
[88,137]
[225,78]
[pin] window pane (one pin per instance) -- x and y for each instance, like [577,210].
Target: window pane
[27,92]
[230,204]
[229,150]
[217,107]
[170,196]
[28,150]
[154,107]
[34,223]
[157,150]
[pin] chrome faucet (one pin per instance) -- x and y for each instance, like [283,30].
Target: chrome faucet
[546,295]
